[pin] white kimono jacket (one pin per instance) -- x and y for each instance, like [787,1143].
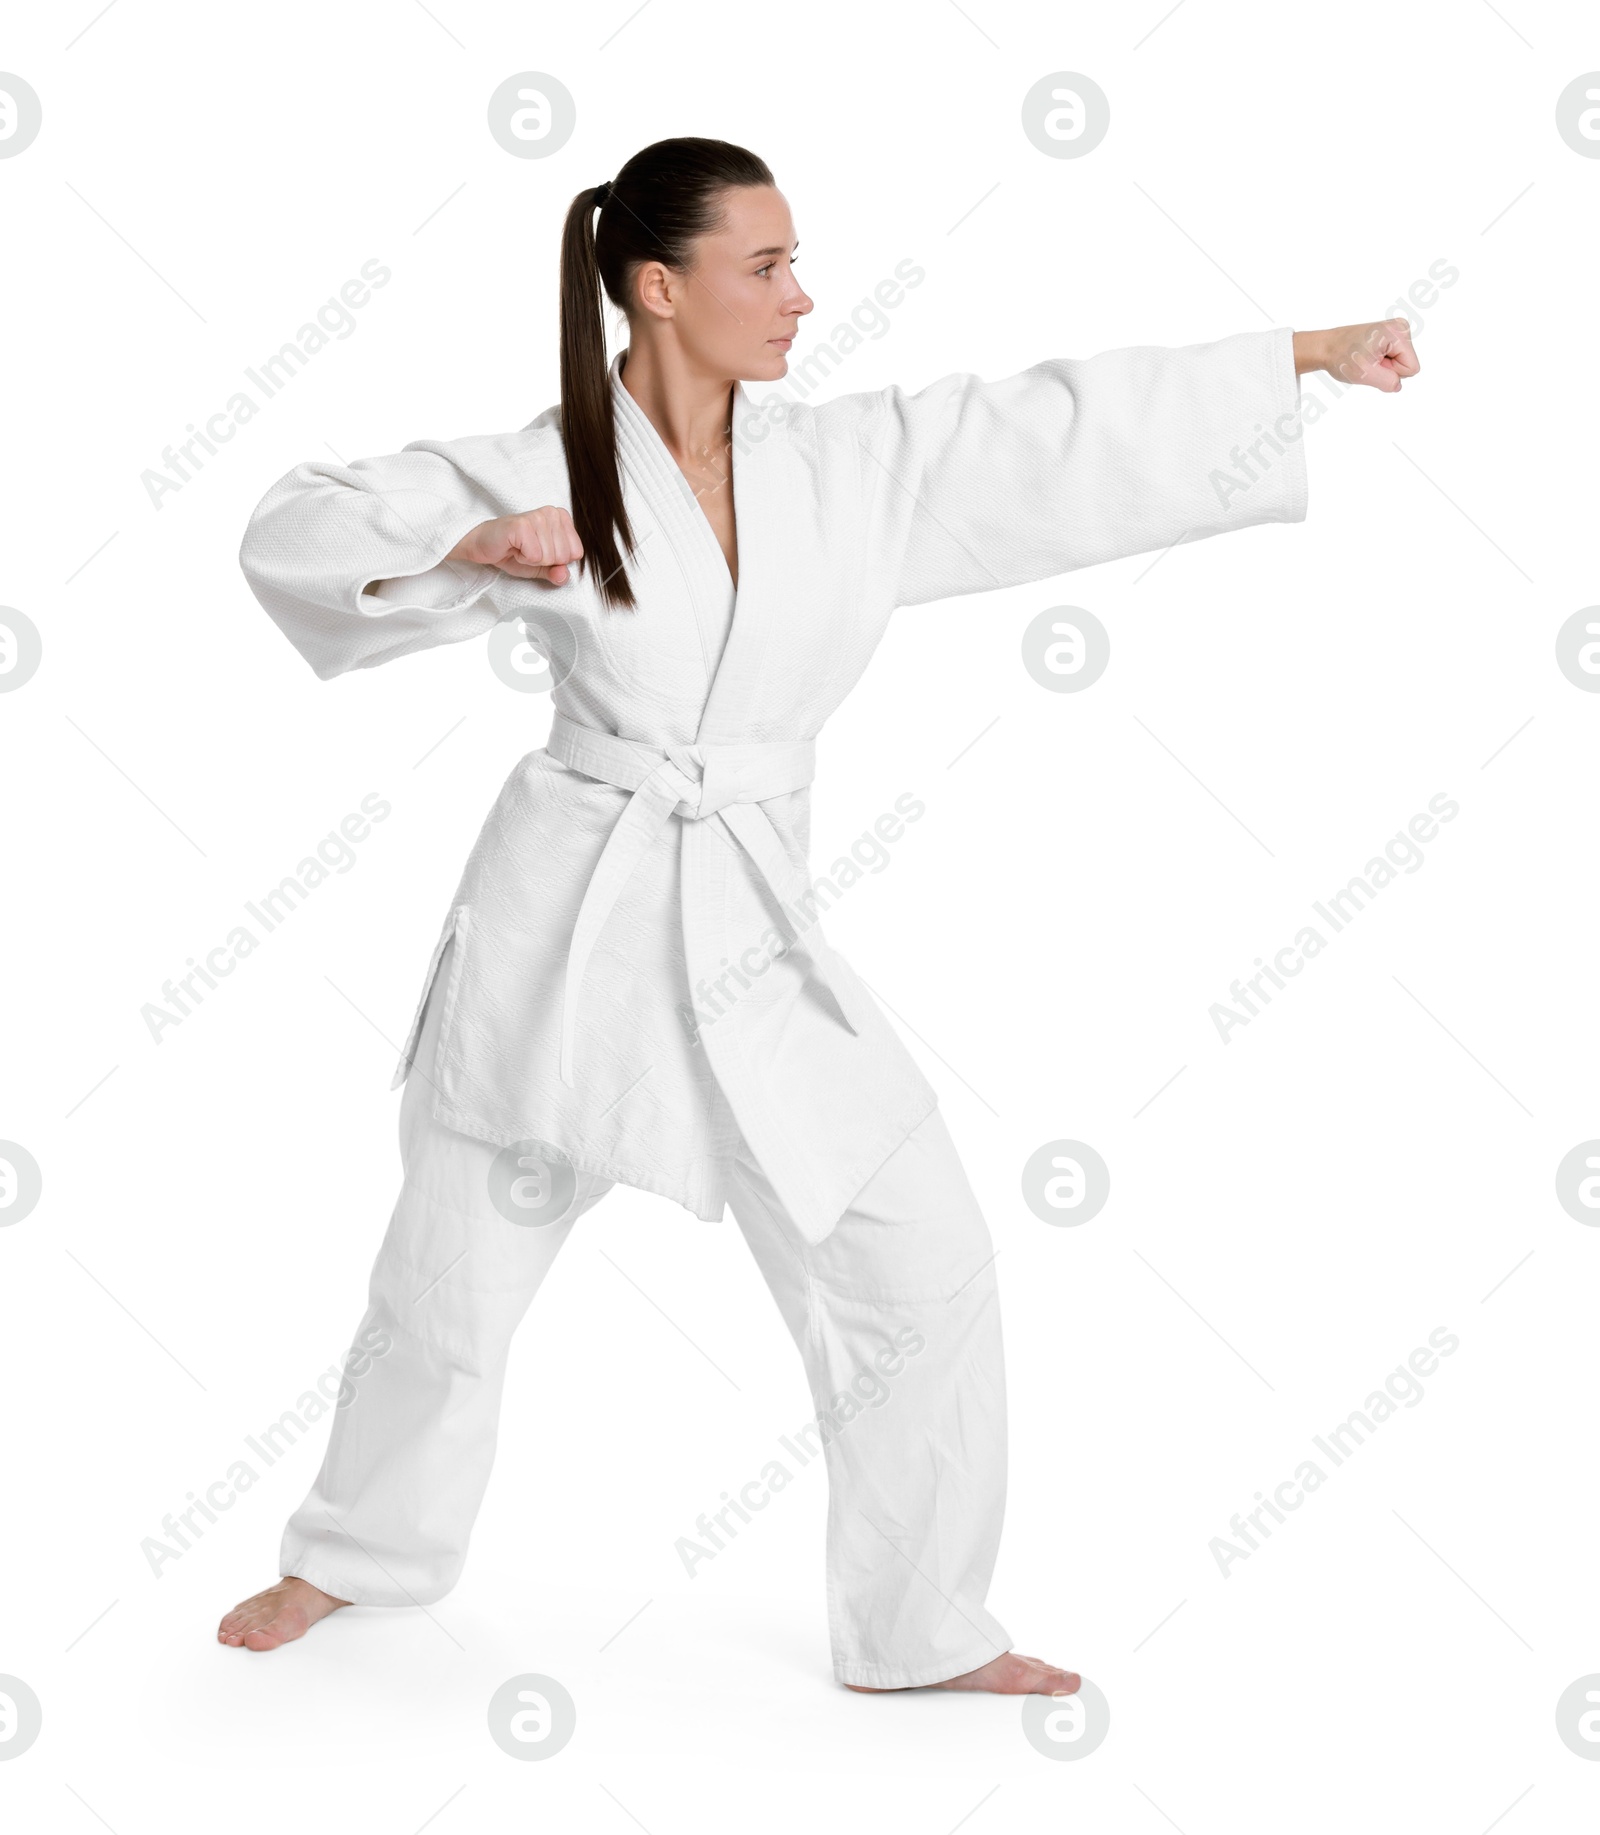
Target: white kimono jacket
[637,979]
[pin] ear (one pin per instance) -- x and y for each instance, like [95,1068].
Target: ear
[653,289]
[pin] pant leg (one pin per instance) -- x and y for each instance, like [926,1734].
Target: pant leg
[897,1317]
[388,1519]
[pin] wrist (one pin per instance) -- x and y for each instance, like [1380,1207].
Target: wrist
[1310,351]
[466,548]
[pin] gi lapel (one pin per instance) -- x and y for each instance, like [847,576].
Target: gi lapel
[736,701]
[683,523]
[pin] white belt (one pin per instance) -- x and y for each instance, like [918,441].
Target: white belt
[694,782]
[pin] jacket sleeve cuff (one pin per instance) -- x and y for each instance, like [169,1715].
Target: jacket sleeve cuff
[1288,424]
[438,585]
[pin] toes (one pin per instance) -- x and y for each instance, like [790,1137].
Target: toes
[281,1628]
[1053,1681]
[1033,1676]
[260,1623]
[277,1615]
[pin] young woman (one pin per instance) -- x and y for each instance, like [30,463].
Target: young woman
[629,984]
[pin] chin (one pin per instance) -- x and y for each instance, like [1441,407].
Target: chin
[765,366]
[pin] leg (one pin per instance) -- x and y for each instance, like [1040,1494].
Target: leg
[388,1519]
[896,1314]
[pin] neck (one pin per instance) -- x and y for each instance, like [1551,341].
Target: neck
[690,411]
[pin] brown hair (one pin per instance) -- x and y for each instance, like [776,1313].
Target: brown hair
[656,207]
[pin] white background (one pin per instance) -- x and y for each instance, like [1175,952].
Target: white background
[1371,1158]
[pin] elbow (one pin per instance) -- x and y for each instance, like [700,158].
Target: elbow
[256,544]
[248,556]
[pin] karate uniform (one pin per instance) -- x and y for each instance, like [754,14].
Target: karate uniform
[631,973]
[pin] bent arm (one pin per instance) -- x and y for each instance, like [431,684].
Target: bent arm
[352,561]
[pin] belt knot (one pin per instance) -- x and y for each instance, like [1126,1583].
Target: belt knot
[709,782]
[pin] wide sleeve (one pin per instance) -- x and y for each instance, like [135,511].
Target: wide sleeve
[987,484]
[348,560]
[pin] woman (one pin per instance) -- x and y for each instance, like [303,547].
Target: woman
[629,985]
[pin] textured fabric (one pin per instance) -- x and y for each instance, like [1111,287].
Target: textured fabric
[896,1316]
[697,783]
[699,1032]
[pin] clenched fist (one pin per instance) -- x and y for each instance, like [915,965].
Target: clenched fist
[1377,356]
[532,545]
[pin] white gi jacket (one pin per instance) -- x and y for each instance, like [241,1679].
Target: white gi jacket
[637,980]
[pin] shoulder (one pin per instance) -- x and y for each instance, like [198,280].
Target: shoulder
[893,414]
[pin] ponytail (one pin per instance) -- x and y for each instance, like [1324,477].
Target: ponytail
[588,425]
[657,206]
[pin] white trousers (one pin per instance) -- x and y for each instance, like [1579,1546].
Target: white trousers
[896,1315]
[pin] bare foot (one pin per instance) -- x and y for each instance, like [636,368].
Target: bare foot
[1009,1674]
[278,1616]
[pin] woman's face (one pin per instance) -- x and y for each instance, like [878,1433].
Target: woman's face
[737,310]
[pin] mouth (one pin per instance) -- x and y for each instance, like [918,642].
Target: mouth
[781,343]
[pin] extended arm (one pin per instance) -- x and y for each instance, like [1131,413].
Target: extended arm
[980,484]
